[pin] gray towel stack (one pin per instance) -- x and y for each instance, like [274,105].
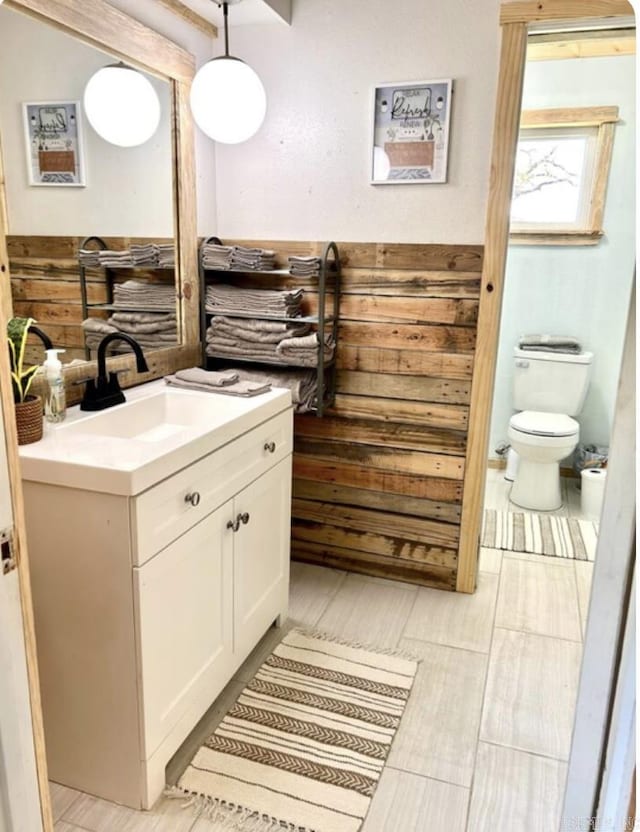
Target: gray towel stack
[150,330]
[89,258]
[263,341]
[221,298]
[147,255]
[550,343]
[166,255]
[304,266]
[259,259]
[211,381]
[302,383]
[303,352]
[215,256]
[116,259]
[137,294]
[144,255]
[94,331]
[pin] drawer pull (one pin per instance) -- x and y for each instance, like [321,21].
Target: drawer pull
[234,525]
[270,447]
[193,498]
[244,518]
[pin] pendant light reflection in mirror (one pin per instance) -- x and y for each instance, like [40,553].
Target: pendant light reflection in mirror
[121,105]
[228,100]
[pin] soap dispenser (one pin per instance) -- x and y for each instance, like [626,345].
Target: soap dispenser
[55,403]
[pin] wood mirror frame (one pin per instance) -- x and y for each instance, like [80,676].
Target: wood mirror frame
[516,18]
[101,25]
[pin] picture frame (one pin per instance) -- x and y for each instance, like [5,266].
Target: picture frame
[410,136]
[54,143]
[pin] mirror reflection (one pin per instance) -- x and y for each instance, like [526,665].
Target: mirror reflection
[90,225]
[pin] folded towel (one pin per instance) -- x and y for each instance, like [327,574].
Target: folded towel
[239,388]
[305,351]
[209,378]
[550,343]
[221,298]
[302,383]
[304,266]
[255,331]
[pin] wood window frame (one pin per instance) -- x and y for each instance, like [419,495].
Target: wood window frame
[604,119]
[516,17]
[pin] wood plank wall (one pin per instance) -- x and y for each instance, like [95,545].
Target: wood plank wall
[45,285]
[378,482]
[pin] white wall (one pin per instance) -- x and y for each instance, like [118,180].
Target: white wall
[129,191]
[305,175]
[579,291]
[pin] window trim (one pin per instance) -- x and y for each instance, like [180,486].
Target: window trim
[604,118]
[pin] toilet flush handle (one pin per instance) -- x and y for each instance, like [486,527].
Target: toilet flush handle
[522,362]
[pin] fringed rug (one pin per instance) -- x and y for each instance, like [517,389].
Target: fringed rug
[304,745]
[540,534]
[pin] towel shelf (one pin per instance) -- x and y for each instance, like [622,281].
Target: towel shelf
[99,244]
[327,280]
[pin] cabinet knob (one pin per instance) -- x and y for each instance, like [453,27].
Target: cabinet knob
[244,518]
[193,498]
[270,447]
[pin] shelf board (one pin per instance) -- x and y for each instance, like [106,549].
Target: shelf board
[128,268]
[281,272]
[110,307]
[275,364]
[303,319]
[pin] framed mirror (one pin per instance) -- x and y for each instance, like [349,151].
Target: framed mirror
[63,183]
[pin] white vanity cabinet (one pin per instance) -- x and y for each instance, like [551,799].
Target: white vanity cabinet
[146,604]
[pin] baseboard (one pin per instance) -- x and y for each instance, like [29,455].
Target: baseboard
[501,464]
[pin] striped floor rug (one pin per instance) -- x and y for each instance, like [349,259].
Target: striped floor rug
[540,534]
[304,745]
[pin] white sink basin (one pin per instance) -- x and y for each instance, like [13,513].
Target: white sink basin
[160,416]
[156,432]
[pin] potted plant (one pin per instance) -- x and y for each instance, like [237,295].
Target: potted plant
[28,408]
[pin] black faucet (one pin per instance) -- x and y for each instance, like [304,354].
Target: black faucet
[35,330]
[104,391]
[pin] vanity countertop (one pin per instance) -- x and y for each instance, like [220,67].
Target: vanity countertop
[159,430]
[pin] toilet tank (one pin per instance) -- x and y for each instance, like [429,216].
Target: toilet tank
[550,382]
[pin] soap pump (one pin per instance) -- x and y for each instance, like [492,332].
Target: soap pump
[55,404]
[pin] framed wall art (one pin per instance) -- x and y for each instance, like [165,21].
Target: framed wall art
[411,132]
[53,134]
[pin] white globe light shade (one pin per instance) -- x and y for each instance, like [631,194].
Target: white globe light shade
[122,106]
[228,100]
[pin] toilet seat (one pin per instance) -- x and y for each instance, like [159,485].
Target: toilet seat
[537,423]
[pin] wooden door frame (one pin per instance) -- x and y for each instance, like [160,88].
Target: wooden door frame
[516,16]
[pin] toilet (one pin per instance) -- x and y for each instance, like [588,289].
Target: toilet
[549,388]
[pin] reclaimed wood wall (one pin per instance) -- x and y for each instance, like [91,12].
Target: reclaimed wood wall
[378,482]
[45,285]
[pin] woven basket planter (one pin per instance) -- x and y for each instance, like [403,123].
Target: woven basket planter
[29,420]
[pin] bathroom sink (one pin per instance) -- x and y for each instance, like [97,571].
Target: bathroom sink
[156,432]
[159,417]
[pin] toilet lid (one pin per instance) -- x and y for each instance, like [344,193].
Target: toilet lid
[544,424]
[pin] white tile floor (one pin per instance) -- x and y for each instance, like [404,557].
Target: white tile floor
[485,738]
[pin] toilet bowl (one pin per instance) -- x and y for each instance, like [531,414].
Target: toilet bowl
[541,440]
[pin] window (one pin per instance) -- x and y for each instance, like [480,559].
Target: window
[562,167]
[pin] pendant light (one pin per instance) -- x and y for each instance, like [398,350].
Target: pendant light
[228,100]
[121,105]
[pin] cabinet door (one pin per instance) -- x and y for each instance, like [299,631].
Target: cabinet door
[261,556]
[183,598]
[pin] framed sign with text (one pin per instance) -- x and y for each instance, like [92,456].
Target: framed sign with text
[53,135]
[411,132]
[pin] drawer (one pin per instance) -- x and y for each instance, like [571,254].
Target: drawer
[163,513]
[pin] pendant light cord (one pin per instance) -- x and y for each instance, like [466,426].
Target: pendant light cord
[225,11]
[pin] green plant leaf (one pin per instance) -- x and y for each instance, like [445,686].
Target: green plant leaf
[17,331]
